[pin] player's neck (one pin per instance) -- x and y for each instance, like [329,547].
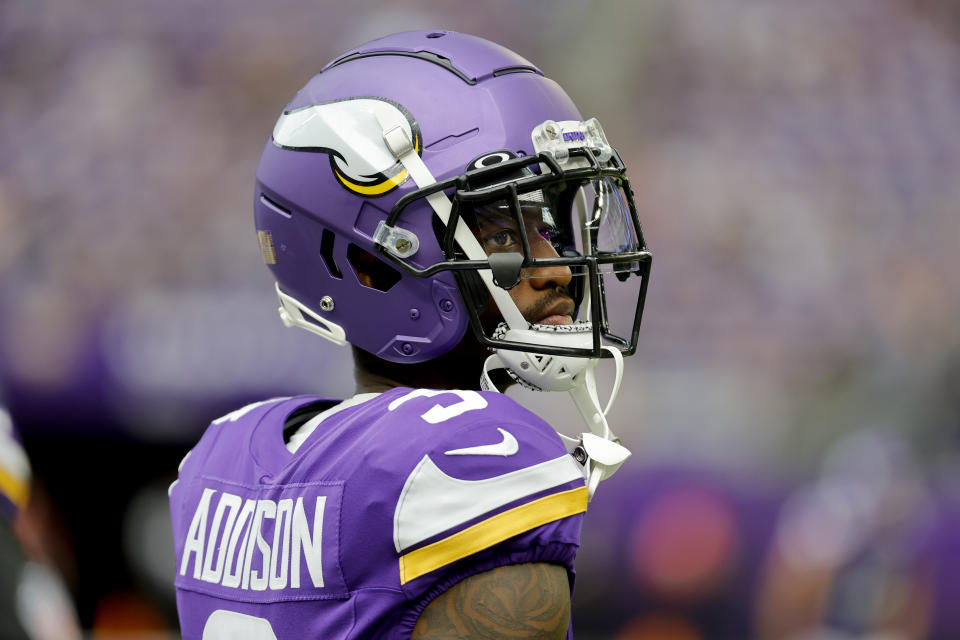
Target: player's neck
[454,370]
[369,382]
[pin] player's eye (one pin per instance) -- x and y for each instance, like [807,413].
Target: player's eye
[502,239]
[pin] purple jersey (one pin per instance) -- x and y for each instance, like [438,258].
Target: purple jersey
[368,513]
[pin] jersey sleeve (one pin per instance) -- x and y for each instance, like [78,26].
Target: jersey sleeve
[494,487]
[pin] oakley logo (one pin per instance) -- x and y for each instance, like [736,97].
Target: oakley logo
[491,159]
[573,136]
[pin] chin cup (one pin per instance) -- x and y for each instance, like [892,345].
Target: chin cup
[543,372]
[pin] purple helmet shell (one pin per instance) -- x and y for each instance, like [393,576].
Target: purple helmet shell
[316,209]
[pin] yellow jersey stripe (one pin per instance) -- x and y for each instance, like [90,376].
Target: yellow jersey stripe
[491,531]
[14,488]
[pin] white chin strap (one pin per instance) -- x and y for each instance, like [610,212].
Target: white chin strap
[598,450]
[604,452]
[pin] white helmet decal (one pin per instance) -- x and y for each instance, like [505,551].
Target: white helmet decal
[351,132]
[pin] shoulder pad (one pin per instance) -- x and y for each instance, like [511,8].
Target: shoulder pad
[497,472]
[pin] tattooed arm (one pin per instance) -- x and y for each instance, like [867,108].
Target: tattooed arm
[530,601]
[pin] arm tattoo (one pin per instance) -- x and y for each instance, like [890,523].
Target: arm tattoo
[530,601]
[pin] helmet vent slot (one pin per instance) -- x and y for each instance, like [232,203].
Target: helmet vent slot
[509,70]
[371,271]
[423,55]
[273,206]
[451,140]
[326,252]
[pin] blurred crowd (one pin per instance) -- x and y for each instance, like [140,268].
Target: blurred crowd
[793,408]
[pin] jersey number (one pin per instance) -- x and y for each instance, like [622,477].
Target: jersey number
[230,625]
[469,401]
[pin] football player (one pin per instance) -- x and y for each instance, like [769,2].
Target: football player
[34,602]
[433,200]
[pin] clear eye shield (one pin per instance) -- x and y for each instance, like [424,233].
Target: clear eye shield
[588,217]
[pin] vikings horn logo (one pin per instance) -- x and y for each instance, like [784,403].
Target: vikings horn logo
[350,131]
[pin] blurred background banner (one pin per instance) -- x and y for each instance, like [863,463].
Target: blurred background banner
[795,401]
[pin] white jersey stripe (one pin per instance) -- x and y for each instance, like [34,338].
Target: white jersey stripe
[433,502]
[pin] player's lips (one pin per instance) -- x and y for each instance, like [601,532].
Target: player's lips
[560,313]
[557,319]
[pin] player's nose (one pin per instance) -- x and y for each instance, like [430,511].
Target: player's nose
[546,277]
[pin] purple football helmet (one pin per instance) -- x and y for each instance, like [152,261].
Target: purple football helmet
[395,154]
